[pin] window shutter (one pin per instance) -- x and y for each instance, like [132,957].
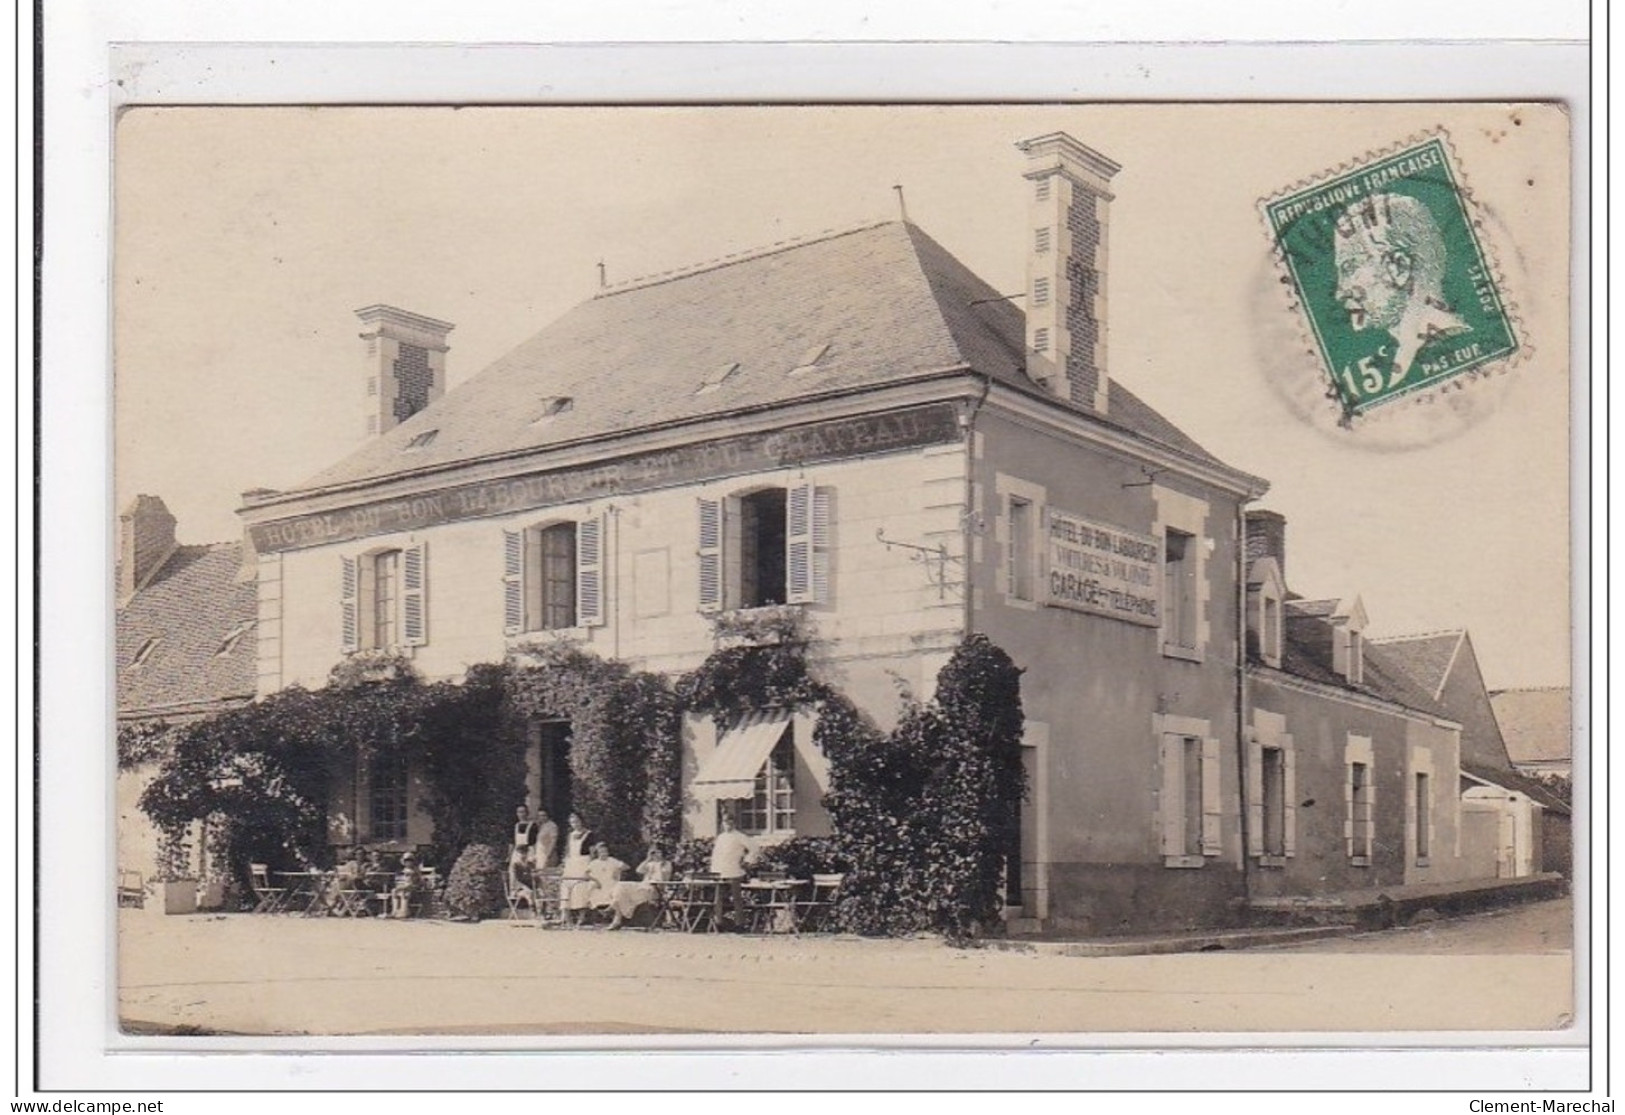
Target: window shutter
[798,543]
[1255,795]
[590,572]
[513,582]
[822,501]
[1369,837]
[1289,779]
[1212,799]
[1173,795]
[414,595]
[710,554]
[349,606]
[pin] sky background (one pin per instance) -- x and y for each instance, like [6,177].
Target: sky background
[246,238]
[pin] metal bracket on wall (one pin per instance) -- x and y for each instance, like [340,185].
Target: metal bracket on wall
[1150,475]
[936,559]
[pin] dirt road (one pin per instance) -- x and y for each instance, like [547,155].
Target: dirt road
[283,975]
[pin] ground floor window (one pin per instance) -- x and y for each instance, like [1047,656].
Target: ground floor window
[1360,815]
[387,789]
[1191,802]
[1274,791]
[1424,816]
[772,805]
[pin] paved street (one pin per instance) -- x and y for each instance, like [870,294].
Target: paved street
[282,975]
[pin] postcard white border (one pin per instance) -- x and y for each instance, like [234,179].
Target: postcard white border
[77,545]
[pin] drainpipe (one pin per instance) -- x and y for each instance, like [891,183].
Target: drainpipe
[967,420]
[1241,695]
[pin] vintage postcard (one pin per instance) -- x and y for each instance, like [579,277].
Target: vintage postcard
[637,573]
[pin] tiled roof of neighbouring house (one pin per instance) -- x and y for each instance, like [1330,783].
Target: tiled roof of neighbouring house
[1536,723]
[1512,780]
[1426,658]
[186,639]
[876,305]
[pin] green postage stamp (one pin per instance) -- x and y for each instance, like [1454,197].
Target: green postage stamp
[1388,267]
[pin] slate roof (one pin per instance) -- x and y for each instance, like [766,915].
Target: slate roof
[1523,784]
[1537,724]
[189,607]
[890,303]
[1306,652]
[1426,658]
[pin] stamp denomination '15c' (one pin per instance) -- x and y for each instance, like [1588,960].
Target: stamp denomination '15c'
[1390,272]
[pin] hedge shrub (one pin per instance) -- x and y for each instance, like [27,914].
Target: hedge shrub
[474,889]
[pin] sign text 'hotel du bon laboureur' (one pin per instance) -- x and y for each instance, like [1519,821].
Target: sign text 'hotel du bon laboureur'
[1093,567]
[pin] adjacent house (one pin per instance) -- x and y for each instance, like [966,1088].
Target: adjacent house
[185,650]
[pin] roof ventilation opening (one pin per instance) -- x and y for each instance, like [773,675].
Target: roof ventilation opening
[717,378]
[142,655]
[552,407]
[809,360]
[422,441]
[234,637]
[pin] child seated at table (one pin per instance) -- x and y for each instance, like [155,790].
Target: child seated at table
[408,887]
[628,899]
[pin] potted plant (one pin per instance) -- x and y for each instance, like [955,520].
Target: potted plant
[176,886]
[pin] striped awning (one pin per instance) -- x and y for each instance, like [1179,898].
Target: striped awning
[730,771]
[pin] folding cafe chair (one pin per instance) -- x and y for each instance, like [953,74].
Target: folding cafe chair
[271,900]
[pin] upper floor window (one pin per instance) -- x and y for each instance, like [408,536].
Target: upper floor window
[1021,548]
[553,577]
[1179,589]
[383,599]
[766,547]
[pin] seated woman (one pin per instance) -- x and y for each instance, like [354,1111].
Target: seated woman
[408,887]
[601,873]
[629,899]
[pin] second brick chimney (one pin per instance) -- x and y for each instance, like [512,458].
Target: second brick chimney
[1266,537]
[406,364]
[146,539]
[1069,205]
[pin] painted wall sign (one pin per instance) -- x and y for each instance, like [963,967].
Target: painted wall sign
[1093,567]
[704,460]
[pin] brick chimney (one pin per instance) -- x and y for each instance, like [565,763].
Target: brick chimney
[406,364]
[1266,537]
[146,539]
[1069,206]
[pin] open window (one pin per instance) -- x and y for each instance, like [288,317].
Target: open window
[764,547]
[553,576]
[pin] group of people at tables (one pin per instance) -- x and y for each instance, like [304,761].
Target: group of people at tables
[591,880]
[403,889]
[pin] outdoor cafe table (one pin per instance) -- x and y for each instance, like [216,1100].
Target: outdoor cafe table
[776,900]
[310,888]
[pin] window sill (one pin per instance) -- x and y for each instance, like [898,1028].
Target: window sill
[1187,654]
[1423,861]
[1183,861]
[1272,861]
[571,634]
[1359,861]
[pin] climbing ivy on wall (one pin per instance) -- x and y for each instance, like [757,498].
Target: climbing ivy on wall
[625,740]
